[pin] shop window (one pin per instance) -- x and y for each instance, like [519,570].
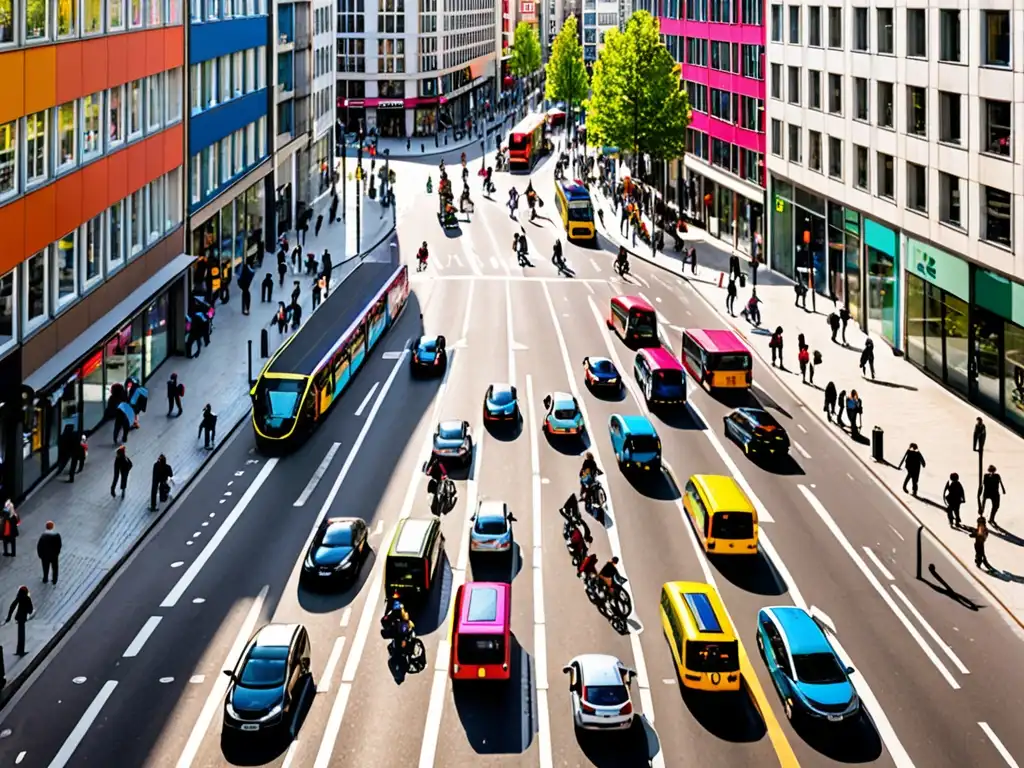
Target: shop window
[8,159]
[986,358]
[118,361]
[7,310]
[135,16]
[156,340]
[115,15]
[115,116]
[36,295]
[66,136]
[93,391]
[934,329]
[92,135]
[92,251]
[1013,359]
[998,210]
[37,20]
[115,236]
[67,18]
[65,269]
[916,319]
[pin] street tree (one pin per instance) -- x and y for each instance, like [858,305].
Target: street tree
[637,101]
[566,73]
[525,59]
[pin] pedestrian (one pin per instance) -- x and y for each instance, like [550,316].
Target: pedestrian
[175,391]
[79,451]
[867,358]
[830,400]
[267,289]
[208,427]
[844,318]
[326,266]
[980,536]
[245,277]
[775,344]
[65,446]
[734,266]
[122,466]
[804,358]
[755,262]
[334,209]
[815,362]
[297,259]
[953,495]
[319,224]
[21,609]
[282,270]
[840,408]
[296,292]
[833,324]
[624,214]
[980,433]
[752,311]
[914,461]
[991,489]
[730,297]
[854,411]
[161,482]
[318,287]
[280,318]
[48,549]
[693,259]
[800,290]
[9,522]
[295,315]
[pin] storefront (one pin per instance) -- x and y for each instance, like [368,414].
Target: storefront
[323,151]
[391,118]
[881,256]
[234,233]
[735,217]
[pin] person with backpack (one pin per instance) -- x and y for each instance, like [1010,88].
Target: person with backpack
[9,522]
[79,452]
[833,324]
[775,345]
[280,318]
[175,391]
[804,358]
[162,474]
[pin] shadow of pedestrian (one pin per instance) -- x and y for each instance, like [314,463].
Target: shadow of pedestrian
[1005,535]
[891,384]
[943,588]
[1005,575]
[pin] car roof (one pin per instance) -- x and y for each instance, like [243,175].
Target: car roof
[600,669]
[760,416]
[597,360]
[638,425]
[275,635]
[339,522]
[452,424]
[563,400]
[802,633]
[496,388]
[491,508]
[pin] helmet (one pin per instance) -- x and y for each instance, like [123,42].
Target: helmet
[588,456]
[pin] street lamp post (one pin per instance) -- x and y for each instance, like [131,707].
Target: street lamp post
[386,187]
[344,178]
[483,155]
[359,197]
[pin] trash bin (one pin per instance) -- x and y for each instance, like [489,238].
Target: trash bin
[878,445]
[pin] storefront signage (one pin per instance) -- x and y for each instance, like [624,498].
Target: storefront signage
[527,8]
[939,268]
[780,204]
[353,102]
[383,104]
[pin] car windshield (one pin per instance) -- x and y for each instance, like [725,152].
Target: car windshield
[734,362]
[264,673]
[580,210]
[450,431]
[603,366]
[565,414]
[642,323]
[669,377]
[490,526]
[643,444]
[501,397]
[428,346]
[606,695]
[281,397]
[732,525]
[338,536]
[818,668]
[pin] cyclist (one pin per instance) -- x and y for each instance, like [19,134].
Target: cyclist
[588,474]
[622,261]
[588,567]
[437,474]
[610,574]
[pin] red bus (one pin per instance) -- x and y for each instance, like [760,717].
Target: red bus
[634,320]
[526,143]
[718,359]
[481,632]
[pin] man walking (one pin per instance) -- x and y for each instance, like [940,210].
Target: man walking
[162,474]
[991,489]
[48,550]
[122,466]
[914,462]
[208,427]
[953,495]
[21,609]
[174,392]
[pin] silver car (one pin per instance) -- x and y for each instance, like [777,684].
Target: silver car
[599,690]
[492,527]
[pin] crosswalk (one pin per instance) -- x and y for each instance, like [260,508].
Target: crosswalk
[465,263]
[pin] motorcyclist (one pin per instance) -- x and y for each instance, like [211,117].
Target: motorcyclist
[394,612]
[587,567]
[610,574]
[588,473]
[556,255]
[437,474]
[577,541]
[622,260]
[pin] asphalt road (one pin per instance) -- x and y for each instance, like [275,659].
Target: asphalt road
[935,661]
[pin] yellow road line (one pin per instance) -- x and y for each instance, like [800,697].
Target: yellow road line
[787,758]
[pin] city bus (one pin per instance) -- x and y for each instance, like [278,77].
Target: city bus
[634,320]
[526,143]
[576,210]
[313,367]
[718,359]
[481,644]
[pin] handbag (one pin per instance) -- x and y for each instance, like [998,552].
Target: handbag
[165,491]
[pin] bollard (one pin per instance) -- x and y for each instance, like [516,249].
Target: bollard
[435,140]
[423,147]
[446,139]
[264,343]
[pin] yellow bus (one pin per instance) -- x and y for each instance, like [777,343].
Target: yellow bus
[724,518]
[576,210]
[703,641]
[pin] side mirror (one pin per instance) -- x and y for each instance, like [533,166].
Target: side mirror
[229,673]
[472,519]
[547,401]
[586,361]
[512,519]
[567,669]
[850,670]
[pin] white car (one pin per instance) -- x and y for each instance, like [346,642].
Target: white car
[492,527]
[599,690]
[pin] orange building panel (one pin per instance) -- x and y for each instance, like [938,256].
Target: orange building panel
[174,47]
[117,59]
[40,78]
[137,175]
[94,65]
[12,75]
[12,244]
[117,176]
[69,72]
[96,189]
[69,204]
[136,57]
[40,209]
[154,51]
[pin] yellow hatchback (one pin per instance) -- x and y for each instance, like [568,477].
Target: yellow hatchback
[724,518]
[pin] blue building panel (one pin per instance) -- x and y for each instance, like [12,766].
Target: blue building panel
[212,125]
[210,39]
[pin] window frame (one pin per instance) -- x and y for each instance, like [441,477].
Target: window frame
[98,151]
[48,23]
[113,265]
[88,283]
[142,14]
[15,277]
[154,201]
[173,87]
[75,22]
[16,158]
[154,91]
[61,166]
[113,26]
[112,142]
[30,324]
[139,132]
[59,303]
[984,235]
[885,45]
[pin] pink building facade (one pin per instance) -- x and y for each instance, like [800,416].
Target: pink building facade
[721,47]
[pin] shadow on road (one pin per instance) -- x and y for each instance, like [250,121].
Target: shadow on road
[754,574]
[727,715]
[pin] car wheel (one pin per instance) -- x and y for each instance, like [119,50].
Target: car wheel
[787,707]
[760,647]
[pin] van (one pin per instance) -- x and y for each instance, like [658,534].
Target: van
[414,558]
[702,638]
[723,517]
[660,377]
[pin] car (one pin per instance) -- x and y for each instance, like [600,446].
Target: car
[270,680]
[758,432]
[492,527]
[811,679]
[501,403]
[635,442]
[601,373]
[453,443]
[337,552]
[599,692]
[564,416]
[429,355]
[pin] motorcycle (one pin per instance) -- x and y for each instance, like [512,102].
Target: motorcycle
[614,602]
[576,551]
[445,497]
[406,650]
[622,268]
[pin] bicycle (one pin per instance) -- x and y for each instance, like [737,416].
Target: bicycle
[615,602]
[445,497]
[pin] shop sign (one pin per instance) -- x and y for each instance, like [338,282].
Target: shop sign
[527,8]
[780,204]
[939,268]
[354,102]
[399,104]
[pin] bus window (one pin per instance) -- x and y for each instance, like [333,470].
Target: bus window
[733,525]
[581,210]
[702,656]
[642,323]
[477,650]
[519,141]
[732,362]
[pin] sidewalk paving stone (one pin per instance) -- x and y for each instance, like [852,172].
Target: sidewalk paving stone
[99,531]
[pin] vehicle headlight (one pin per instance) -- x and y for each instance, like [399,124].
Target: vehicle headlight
[309,561]
[272,713]
[344,563]
[613,380]
[231,711]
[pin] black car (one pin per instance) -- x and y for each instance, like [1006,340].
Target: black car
[453,443]
[337,552]
[429,355]
[758,432]
[268,683]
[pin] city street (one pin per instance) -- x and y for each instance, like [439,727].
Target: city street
[139,681]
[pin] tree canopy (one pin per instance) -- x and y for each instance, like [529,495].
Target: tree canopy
[525,50]
[566,73]
[638,103]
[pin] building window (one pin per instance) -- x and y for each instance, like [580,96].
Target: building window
[261,132]
[92,17]
[860,29]
[814,150]
[8,310]
[814,89]
[195,10]
[37,129]
[154,102]
[237,76]
[776,137]
[998,211]
[115,236]
[37,20]
[173,212]
[115,116]
[212,10]
[173,12]
[8,159]
[135,13]
[195,89]
[67,19]
[862,104]
[156,12]
[886,176]
[997,127]
[949,200]
[154,210]
[239,148]
[996,42]
[391,55]
[209,83]
[115,15]
[36,300]
[136,224]
[224,148]
[135,93]
[917,33]
[814,26]
[776,78]
[173,87]
[776,18]
[835,94]
[208,161]
[950,118]
[65,269]
[224,65]
[92,134]
[860,159]
[92,254]
[66,135]
[261,67]
[886,30]
[794,85]
[917,187]
[795,153]
[917,111]
[835,157]
[949,35]
[250,144]
[885,104]
[835,27]
[794,24]
[250,71]
[195,179]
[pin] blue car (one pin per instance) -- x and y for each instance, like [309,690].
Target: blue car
[453,443]
[501,404]
[635,442]
[811,679]
[601,374]
[429,355]
[563,415]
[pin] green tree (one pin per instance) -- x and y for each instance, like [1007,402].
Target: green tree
[638,102]
[566,74]
[525,59]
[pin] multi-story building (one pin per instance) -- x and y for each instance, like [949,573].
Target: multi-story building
[720,45]
[230,181]
[91,210]
[292,89]
[895,180]
[598,17]
[410,67]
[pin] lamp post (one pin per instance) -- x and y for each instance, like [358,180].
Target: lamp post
[359,197]
[386,187]
[344,178]
[483,155]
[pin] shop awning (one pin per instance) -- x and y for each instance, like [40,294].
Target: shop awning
[102,329]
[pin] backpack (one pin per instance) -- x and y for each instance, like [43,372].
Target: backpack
[181,390]
[817,357]
[804,355]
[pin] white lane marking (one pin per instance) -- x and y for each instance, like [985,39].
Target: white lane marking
[215,700]
[332,662]
[642,281]
[190,574]
[346,615]
[458,259]
[289,756]
[378,528]
[494,263]
[898,534]
[135,646]
[614,543]
[1002,750]
[540,643]
[508,332]
[762,511]
[197,679]
[851,477]
[589,288]
[469,307]
[595,265]
[20,757]
[474,263]
[67,750]
[801,428]
[439,683]
[942,644]
[800,449]
[878,563]
[392,355]
[314,481]
[830,523]
[366,400]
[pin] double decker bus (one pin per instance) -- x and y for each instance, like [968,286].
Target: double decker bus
[526,143]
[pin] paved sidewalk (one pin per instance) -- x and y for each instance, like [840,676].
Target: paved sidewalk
[99,531]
